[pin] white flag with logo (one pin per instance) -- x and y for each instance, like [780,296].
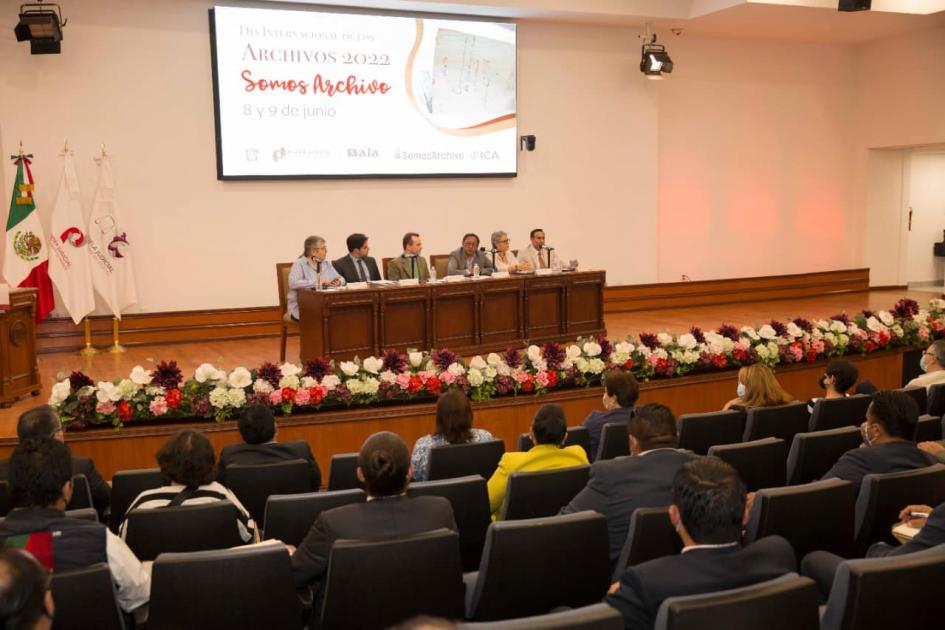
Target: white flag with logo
[69,264]
[110,247]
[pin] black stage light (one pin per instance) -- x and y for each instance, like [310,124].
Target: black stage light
[855,5]
[42,27]
[655,60]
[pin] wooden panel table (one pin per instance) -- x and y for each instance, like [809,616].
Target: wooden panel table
[19,373]
[469,317]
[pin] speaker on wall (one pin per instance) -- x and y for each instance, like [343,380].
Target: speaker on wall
[854,5]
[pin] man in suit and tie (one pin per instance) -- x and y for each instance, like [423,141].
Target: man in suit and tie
[410,264]
[708,512]
[357,266]
[619,486]
[42,423]
[464,260]
[258,428]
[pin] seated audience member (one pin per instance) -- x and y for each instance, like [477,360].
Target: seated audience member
[757,387]
[384,468]
[258,428]
[187,465]
[310,270]
[410,264]
[839,377]
[619,486]
[504,257]
[931,531]
[454,419]
[42,423]
[536,255]
[932,363]
[464,260]
[41,482]
[357,266]
[887,441]
[26,601]
[708,511]
[549,432]
[621,391]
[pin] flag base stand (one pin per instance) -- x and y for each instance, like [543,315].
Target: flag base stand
[88,350]
[115,347]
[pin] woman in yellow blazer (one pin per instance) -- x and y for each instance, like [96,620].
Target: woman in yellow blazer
[549,432]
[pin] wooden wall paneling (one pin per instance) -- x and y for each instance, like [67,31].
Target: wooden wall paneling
[403,319]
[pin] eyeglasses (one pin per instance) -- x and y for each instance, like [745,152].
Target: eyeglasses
[504,240]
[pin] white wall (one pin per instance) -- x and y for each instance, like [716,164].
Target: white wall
[927,200]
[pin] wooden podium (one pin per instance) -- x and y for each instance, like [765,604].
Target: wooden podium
[468,317]
[19,373]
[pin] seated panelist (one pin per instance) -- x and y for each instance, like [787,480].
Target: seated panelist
[464,259]
[311,269]
[410,264]
[504,258]
[537,255]
[357,266]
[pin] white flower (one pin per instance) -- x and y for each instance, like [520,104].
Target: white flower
[289,369]
[762,351]
[491,372]
[493,359]
[475,377]
[415,359]
[886,317]
[262,386]
[330,382]
[503,369]
[477,363]
[837,326]
[843,339]
[456,369]
[794,331]
[665,339]
[88,390]
[60,391]
[581,364]
[567,364]
[936,304]
[897,330]
[350,368]
[595,366]
[624,347]
[573,352]
[219,397]
[750,333]
[687,341]
[832,338]
[106,391]
[541,365]
[388,376]
[823,324]
[592,348]
[308,381]
[205,373]
[767,332]
[367,386]
[620,358]
[240,377]
[660,353]
[140,375]
[126,388]
[533,352]
[289,381]
[372,365]
[853,329]
[155,390]
[237,397]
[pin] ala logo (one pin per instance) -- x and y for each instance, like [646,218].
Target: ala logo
[362,152]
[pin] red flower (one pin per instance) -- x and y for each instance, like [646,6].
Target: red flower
[628,364]
[528,385]
[811,355]
[124,410]
[719,360]
[662,365]
[416,384]
[739,354]
[552,378]
[870,346]
[173,398]
[316,394]
[288,394]
[433,385]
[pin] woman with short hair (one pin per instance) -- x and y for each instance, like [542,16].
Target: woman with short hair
[504,257]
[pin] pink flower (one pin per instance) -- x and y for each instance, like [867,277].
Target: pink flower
[403,380]
[275,397]
[426,375]
[158,406]
[542,378]
[817,345]
[741,344]
[302,397]
[448,377]
[520,376]
[795,352]
[923,332]
[106,407]
[653,360]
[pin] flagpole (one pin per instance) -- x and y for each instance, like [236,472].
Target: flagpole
[88,350]
[116,347]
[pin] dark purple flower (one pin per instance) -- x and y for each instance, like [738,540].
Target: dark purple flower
[512,357]
[258,398]
[270,373]
[803,324]
[729,331]
[444,358]
[78,380]
[905,308]
[315,368]
[649,340]
[696,332]
[606,348]
[394,361]
[867,314]
[504,385]
[342,394]
[166,374]
[554,354]
[779,328]
[841,317]
[201,406]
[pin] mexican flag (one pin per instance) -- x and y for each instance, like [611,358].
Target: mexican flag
[26,260]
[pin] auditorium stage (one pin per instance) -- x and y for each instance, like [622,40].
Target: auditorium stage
[333,432]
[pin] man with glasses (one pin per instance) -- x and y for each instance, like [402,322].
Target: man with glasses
[932,364]
[311,270]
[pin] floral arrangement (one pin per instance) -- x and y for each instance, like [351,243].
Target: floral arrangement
[163,394]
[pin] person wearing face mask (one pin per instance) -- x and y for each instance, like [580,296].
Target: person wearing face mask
[310,270]
[621,391]
[757,387]
[839,377]
[932,364]
[887,441]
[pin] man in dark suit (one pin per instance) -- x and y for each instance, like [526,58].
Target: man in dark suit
[708,512]
[621,391]
[42,423]
[258,428]
[619,486]
[384,468]
[357,266]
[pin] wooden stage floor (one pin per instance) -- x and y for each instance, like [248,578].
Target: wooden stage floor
[252,352]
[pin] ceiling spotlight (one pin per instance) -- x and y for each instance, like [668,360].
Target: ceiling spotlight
[655,60]
[41,25]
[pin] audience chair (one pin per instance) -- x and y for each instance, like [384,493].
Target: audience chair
[782,421]
[459,460]
[289,517]
[533,566]
[251,587]
[375,584]
[88,514]
[543,492]
[812,516]
[6,498]
[700,431]
[761,463]
[81,493]
[892,592]
[253,485]
[651,536]
[883,496]
[614,441]
[593,617]
[929,428]
[85,598]
[182,528]
[441,263]
[936,400]
[579,436]
[469,497]
[786,603]
[919,395]
[839,412]
[286,324]
[126,486]
[342,472]
[813,454]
